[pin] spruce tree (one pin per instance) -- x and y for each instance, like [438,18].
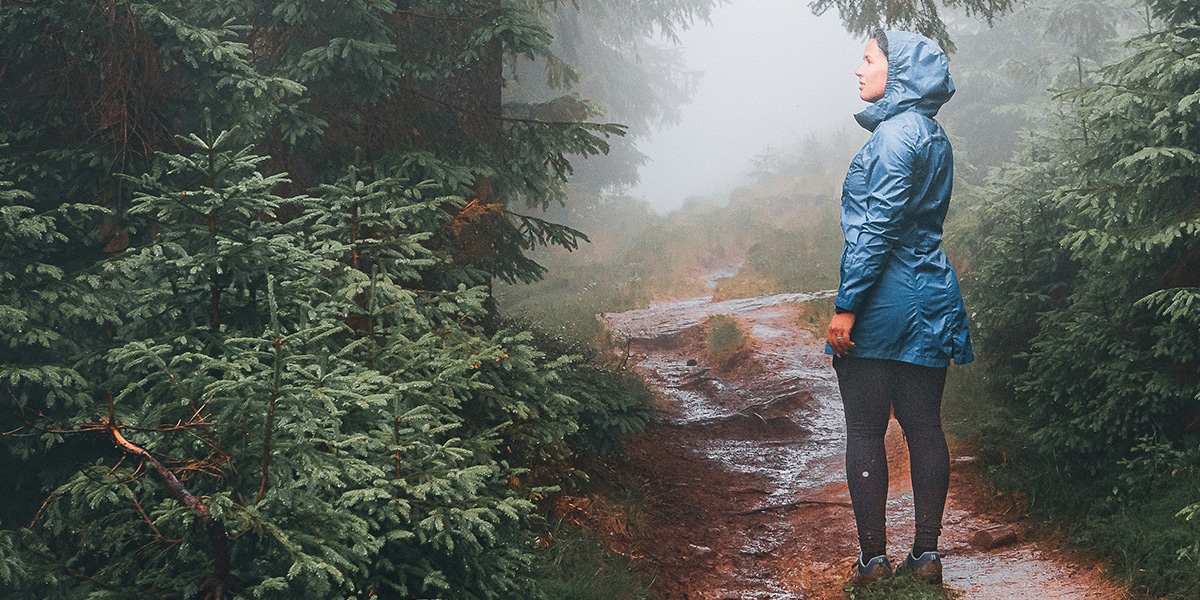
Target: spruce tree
[223,379]
[1102,254]
[1135,234]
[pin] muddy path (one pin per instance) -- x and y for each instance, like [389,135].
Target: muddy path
[744,496]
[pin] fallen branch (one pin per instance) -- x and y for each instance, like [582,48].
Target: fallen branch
[174,486]
[221,580]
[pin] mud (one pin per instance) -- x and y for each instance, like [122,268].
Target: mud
[744,495]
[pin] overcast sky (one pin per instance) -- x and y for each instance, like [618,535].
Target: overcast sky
[772,74]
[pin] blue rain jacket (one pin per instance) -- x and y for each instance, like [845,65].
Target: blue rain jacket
[895,277]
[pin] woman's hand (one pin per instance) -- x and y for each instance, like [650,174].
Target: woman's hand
[839,332]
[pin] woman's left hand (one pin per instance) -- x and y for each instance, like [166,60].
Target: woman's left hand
[839,332]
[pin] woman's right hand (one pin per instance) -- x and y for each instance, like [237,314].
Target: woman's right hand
[839,332]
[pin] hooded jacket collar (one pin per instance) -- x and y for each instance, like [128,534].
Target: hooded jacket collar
[918,79]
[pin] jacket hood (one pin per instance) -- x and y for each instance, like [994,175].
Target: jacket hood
[918,79]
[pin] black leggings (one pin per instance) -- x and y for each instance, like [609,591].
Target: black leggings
[871,390]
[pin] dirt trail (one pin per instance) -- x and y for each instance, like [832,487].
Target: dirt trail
[744,492]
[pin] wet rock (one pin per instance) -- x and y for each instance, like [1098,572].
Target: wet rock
[749,490]
[993,537]
[781,426]
[697,379]
[784,402]
[752,425]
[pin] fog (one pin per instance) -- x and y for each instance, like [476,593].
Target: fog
[772,73]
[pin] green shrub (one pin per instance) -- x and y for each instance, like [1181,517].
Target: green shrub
[726,339]
[1136,515]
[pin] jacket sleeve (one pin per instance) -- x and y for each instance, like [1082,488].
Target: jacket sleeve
[889,185]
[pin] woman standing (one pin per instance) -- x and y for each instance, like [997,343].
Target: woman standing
[899,318]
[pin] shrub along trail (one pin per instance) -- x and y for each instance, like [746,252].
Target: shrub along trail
[743,495]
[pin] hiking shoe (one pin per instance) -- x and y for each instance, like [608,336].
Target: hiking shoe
[876,568]
[926,567]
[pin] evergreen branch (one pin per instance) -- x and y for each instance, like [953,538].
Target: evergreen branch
[20,409]
[116,467]
[542,232]
[93,580]
[37,516]
[137,505]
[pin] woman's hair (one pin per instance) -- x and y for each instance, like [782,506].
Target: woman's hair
[880,38]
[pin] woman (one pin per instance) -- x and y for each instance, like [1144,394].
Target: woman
[899,319]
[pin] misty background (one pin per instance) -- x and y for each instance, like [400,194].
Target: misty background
[770,74]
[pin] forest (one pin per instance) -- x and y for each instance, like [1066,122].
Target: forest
[299,297]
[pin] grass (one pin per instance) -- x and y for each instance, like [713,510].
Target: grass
[726,339]
[902,586]
[594,533]
[974,414]
[1148,543]
[576,567]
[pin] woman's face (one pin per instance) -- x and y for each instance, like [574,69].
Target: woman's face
[872,73]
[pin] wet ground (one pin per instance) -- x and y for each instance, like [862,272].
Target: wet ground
[744,496]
